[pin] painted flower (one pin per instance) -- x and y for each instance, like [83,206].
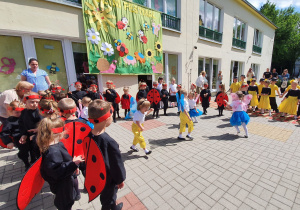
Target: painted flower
[140,57]
[149,53]
[158,46]
[93,36]
[122,49]
[129,60]
[99,16]
[107,49]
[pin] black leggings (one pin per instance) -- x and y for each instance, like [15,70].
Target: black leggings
[127,111]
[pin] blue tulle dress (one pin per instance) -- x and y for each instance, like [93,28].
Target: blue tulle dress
[193,113]
[239,117]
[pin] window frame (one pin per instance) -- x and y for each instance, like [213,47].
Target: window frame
[244,38]
[213,19]
[165,7]
[259,38]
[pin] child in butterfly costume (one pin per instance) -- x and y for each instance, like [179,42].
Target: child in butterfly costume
[100,114]
[194,112]
[239,107]
[185,118]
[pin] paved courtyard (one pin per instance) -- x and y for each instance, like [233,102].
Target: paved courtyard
[217,170]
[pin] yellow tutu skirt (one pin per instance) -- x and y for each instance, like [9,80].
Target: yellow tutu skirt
[264,102]
[254,100]
[289,105]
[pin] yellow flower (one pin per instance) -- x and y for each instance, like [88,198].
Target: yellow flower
[99,16]
[158,46]
[149,53]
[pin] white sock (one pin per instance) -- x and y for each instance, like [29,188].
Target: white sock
[189,134]
[245,128]
[196,119]
[146,150]
[180,135]
[295,117]
[237,128]
[262,111]
[133,146]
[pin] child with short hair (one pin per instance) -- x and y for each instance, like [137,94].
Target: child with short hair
[185,117]
[193,87]
[138,126]
[111,95]
[205,98]
[142,93]
[253,90]
[260,87]
[164,98]
[28,122]
[194,112]
[264,102]
[100,115]
[10,133]
[78,94]
[239,116]
[160,82]
[235,86]
[272,97]
[57,167]
[156,106]
[222,93]
[125,100]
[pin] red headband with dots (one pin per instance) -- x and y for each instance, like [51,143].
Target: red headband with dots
[179,86]
[104,117]
[78,83]
[48,111]
[164,85]
[143,85]
[32,97]
[15,109]
[193,85]
[68,111]
[93,85]
[109,83]
[57,130]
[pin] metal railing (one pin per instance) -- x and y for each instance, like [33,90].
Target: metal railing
[74,1]
[170,21]
[210,34]
[256,49]
[238,43]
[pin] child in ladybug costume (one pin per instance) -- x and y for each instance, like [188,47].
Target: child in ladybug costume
[78,94]
[220,99]
[125,100]
[100,114]
[142,93]
[154,96]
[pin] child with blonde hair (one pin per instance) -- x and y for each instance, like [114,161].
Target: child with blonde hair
[48,107]
[185,118]
[58,168]
[194,112]
[138,126]
[125,100]
[83,107]
[253,90]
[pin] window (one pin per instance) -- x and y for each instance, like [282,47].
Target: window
[255,68]
[236,70]
[257,38]
[80,58]
[211,67]
[50,53]
[209,16]
[166,6]
[12,63]
[173,67]
[239,28]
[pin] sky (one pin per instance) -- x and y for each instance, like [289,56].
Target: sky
[280,4]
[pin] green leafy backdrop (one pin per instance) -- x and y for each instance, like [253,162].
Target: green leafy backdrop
[107,18]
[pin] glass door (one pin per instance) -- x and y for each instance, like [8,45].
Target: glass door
[208,71]
[215,73]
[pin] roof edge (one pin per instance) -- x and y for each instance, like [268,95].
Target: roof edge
[261,14]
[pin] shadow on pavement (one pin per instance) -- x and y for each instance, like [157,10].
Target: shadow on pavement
[209,117]
[226,120]
[133,155]
[223,137]
[173,126]
[224,125]
[154,143]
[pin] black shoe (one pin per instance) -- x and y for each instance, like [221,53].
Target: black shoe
[134,149]
[246,136]
[189,137]
[179,138]
[119,117]
[166,114]
[77,198]
[178,113]
[119,206]
[84,190]
[149,152]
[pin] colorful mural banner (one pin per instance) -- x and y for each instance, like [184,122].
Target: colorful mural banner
[122,37]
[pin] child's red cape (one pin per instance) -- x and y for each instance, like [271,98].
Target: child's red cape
[75,133]
[118,99]
[220,99]
[153,96]
[1,142]
[95,178]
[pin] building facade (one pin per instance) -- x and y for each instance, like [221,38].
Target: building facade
[198,35]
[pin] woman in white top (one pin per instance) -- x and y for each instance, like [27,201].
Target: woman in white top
[250,75]
[172,92]
[200,81]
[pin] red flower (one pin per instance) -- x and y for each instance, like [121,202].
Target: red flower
[120,25]
[144,39]
[122,49]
